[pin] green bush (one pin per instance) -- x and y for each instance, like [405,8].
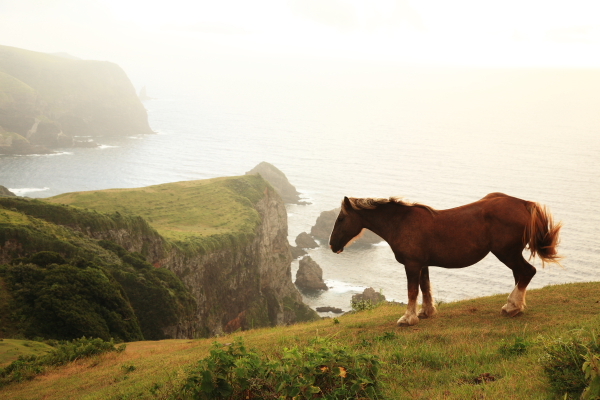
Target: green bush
[26,368]
[363,305]
[322,370]
[563,364]
[65,302]
[591,369]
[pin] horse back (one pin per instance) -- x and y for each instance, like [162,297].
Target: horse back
[461,236]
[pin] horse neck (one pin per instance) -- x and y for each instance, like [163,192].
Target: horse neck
[384,220]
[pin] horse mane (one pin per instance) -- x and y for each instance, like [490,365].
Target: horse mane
[370,203]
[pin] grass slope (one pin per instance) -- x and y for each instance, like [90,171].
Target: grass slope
[440,358]
[12,349]
[183,210]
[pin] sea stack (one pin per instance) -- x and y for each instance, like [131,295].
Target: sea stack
[310,275]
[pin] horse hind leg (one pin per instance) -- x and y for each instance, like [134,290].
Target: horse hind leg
[523,272]
[428,308]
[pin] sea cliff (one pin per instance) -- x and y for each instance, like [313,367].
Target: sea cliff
[225,239]
[49,101]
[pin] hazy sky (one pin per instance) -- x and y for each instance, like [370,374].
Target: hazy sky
[433,32]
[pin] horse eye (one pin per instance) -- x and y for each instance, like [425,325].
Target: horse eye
[341,218]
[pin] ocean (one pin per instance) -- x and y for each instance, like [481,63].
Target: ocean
[442,137]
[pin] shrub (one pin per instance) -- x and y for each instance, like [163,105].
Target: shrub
[563,364]
[591,369]
[65,302]
[323,370]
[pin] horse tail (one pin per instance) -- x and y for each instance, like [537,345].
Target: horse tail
[542,234]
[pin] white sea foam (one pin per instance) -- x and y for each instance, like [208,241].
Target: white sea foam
[24,191]
[343,287]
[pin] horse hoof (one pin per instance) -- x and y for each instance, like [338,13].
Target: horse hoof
[423,314]
[408,321]
[510,312]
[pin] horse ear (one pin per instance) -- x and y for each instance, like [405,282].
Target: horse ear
[347,204]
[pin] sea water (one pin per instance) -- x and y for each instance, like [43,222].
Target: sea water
[442,138]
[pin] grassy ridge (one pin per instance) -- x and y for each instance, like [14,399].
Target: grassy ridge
[441,358]
[182,211]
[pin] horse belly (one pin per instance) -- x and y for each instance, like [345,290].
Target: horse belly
[462,248]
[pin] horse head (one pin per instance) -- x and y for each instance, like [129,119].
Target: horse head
[348,225]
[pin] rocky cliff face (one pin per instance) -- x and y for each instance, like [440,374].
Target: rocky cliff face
[238,281]
[246,286]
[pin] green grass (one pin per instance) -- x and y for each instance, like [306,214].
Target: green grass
[183,210]
[11,349]
[467,351]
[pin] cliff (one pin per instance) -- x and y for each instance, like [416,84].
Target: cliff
[225,238]
[48,100]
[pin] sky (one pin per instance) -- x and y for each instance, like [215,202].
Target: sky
[140,33]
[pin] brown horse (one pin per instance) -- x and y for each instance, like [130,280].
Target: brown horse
[421,237]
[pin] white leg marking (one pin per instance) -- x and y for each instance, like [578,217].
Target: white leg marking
[428,308]
[515,303]
[410,316]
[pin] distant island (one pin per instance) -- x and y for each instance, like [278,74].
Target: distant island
[51,101]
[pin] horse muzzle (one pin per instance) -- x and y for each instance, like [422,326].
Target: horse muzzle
[336,251]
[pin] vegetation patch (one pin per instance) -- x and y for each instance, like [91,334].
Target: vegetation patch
[27,367]
[563,362]
[321,370]
[12,349]
[61,284]
[62,301]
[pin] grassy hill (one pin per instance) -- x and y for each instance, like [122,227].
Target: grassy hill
[183,211]
[459,354]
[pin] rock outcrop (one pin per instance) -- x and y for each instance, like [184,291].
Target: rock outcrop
[297,252]
[324,225]
[279,181]
[368,295]
[310,275]
[305,241]
[47,100]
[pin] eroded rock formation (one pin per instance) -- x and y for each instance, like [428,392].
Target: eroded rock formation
[310,275]
[305,241]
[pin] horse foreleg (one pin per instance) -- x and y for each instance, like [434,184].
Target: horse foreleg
[412,277]
[428,308]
